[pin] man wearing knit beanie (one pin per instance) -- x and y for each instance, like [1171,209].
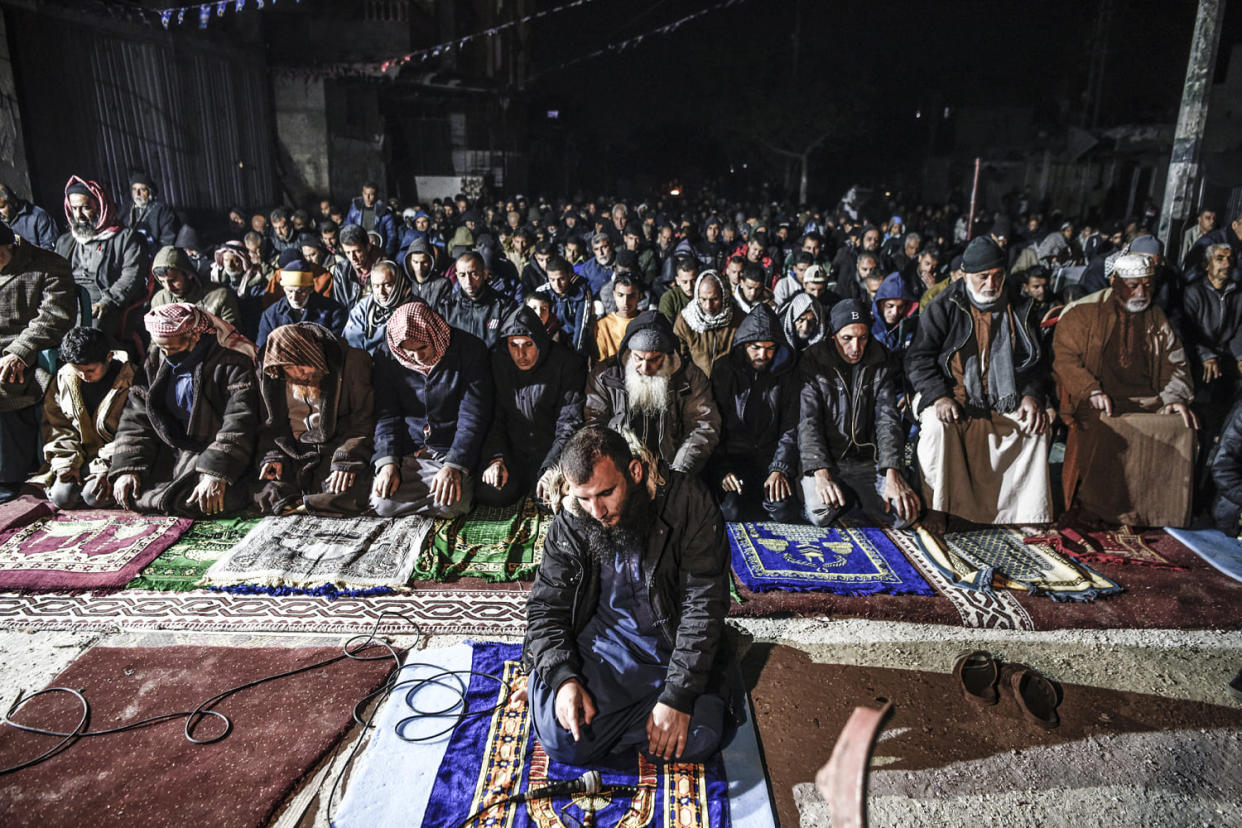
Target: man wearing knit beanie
[852,463]
[978,381]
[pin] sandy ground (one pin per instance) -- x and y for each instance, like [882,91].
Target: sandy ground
[1150,734]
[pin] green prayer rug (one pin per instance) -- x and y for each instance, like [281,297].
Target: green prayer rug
[494,543]
[182,565]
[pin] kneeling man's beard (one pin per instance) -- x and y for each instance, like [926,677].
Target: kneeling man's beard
[628,537]
[306,393]
[648,395]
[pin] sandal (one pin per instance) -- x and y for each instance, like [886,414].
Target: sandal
[1036,694]
[977,673]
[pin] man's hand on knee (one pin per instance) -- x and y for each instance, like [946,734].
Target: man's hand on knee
[446,487]
[574,708]
[387,481]
[667,729]
[828,490]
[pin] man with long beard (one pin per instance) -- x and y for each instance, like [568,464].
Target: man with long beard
[650,389]
[109,260]
[978,381]
[625,622]
[315,444]
[1126,393]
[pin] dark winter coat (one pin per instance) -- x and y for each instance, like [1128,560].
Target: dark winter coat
[848,415]
[447,411]
[478,317]
[1213,320]
[385,224]
[758,409]
[319,309]
[156,223]
[37,307]
[946,326]
[219,440]
[688,430]
[33,224]
[537,410]
[115,271]
[576,310]
[685,564]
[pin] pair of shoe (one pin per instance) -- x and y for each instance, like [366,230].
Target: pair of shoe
[979,674]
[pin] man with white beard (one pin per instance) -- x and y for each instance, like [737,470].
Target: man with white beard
[657,393]
[1125,393]
[979,384]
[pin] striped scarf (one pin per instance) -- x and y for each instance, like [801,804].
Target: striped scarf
[292,345]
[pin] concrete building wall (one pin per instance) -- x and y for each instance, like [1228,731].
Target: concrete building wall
[302,134]
[14,170]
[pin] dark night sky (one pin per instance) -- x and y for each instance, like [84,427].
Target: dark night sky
[674,103]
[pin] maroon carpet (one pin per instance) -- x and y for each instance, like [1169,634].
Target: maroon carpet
[1195,596]
[86,549]
[153,776]
[22,511]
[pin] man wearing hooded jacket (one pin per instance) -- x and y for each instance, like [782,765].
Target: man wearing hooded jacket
[755,467]
[538,405]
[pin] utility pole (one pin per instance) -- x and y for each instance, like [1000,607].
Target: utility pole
[1188,140]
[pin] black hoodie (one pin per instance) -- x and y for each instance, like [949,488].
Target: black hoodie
[758,409]
[536,410]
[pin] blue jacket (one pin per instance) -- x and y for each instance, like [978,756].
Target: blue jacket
[356,327]
[385,224]
[34,225]
[319,309]
[576,310]
[596,274]
[448,411]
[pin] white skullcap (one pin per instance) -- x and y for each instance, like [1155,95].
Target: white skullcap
[1135,266]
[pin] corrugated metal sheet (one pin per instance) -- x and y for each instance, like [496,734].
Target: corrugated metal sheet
[192,114]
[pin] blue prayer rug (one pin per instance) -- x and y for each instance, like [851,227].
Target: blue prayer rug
[850,560]
[489,757]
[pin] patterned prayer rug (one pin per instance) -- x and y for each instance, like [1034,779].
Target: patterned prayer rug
[308,551]
[152,776]
[443,611]
[1123,546]
[442,780]
[85,549]
[1222,552]
[182,565]
[996,557]
[492,543]
[851,560]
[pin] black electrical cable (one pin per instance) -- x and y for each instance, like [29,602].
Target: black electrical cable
[193,717]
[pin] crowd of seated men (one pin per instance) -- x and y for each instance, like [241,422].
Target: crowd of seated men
[421,360]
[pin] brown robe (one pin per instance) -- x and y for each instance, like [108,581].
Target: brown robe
[1136,467]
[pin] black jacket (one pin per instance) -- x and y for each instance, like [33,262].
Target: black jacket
[319,309]
[686,569]
[446,411]
[847,416]
[156,223]
[770,397]
[946,326]
[478,317]
[536,410]
[1227,463]
[1213,320]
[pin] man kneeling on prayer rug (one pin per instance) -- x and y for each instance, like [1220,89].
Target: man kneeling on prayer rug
[979,394]
[187,434]
[1125,393]
[625,632]
[315,445]
[433,406]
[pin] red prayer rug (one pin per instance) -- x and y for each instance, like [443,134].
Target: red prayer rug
[152,776]
[87,549]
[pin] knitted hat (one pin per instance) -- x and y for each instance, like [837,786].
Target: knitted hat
[849,312]
[295,274]
[983,254]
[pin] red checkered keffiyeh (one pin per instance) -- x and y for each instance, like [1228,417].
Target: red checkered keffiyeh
[180,318]
[417,321]
[106,224]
